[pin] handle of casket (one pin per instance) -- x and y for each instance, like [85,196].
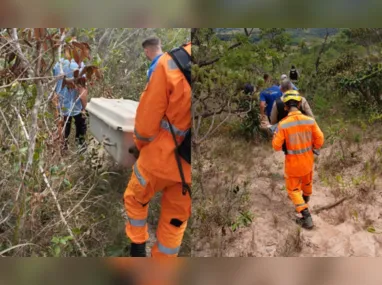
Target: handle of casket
[107,142]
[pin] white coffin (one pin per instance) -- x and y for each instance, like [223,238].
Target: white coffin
[112,124]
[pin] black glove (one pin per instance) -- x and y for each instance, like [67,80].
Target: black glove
[134,151]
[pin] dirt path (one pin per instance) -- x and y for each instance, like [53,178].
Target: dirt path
[340,231]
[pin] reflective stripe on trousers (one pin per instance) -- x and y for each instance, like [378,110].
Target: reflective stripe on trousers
[299,151]
[137,223]
[167,250]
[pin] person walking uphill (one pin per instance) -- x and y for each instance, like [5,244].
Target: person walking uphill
[268,96]
[301,135]
[164,110]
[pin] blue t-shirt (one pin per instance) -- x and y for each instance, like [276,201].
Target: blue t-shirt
[269,95]
[152,66]
[68,97]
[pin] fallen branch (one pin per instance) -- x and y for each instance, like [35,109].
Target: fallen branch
[330,206]
[15,246]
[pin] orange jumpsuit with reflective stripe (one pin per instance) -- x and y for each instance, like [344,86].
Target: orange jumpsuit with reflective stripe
[301,134]
[167,95]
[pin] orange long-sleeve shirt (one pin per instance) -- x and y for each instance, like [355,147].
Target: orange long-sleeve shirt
[166,96]
[301,134]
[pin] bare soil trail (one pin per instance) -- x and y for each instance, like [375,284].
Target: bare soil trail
[351,228]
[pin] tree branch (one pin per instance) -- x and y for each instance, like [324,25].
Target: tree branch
[209,62]
[318,60]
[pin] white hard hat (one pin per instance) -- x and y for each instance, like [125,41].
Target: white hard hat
[284,76]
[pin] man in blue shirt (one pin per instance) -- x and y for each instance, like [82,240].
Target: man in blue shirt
[267,97]
[153,51]
[72,102]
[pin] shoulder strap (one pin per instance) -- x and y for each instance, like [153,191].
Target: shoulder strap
[186,187]
[280,109]
[183,61]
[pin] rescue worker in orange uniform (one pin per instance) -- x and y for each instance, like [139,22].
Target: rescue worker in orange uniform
[301,134]
[167,96]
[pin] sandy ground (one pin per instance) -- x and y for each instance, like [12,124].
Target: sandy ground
[339,231]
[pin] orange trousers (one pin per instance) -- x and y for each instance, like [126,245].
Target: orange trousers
[175,211]
[296,187]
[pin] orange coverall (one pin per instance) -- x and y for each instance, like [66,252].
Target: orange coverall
[301,134]
[167,95]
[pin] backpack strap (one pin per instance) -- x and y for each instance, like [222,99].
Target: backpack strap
[183,61]
[186,187]
[280,109]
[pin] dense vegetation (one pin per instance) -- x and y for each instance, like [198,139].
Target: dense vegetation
[54,204]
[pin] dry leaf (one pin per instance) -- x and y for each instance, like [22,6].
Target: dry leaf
[98,74]
[43,64]
[76,56]
[77,44]
[86,50]
[67,52]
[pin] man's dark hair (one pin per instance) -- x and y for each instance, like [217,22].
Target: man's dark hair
[266,76]
[293,67]
[151,41]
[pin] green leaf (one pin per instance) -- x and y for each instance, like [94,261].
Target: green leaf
[67,183]
[57,251]
[55,240]
[13,147]
[16,167]
[53,169]
[371,229]
[76,231]
[23,150]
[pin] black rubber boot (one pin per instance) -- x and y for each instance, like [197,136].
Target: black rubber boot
[138,250]
[306,198]
[306,221]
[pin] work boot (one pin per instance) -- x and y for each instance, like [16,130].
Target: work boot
[306,198]
[306,221]
[138,250]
